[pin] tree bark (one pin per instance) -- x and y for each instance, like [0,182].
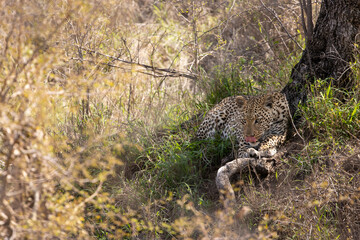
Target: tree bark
[329,51]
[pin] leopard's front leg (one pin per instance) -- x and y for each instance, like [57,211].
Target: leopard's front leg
[243,150]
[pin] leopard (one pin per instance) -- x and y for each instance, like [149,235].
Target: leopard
[259,124]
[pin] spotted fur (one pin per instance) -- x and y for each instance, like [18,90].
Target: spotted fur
[259,123]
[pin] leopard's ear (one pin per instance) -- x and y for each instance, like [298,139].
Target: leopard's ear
[240,100]
[269,101]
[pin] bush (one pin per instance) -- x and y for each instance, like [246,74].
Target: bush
[92,147]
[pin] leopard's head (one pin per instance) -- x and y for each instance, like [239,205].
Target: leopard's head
[260,112]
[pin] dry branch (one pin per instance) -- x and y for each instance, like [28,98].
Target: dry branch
[282,25]
[170,72]
[237,166]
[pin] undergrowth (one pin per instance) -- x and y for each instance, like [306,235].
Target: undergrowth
[93,148]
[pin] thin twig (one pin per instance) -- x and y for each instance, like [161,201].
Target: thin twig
[282,25]
[90,197]
[293,124]
[309,235]
[175,73]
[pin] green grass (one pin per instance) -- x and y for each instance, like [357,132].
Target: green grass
[168,175]
[332,115]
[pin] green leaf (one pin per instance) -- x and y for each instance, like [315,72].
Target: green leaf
[328,91]
[354,111]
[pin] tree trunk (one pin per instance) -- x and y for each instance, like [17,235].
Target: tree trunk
[329,52]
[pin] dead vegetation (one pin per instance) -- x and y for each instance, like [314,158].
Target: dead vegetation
[80,151]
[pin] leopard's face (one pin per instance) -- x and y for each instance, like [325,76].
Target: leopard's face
[259,114]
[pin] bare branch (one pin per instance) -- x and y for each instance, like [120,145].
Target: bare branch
[282,25]
[238,165]
[173,72]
